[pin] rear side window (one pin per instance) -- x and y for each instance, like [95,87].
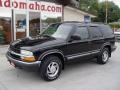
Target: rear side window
[82,32]
[95,32]
[106,30]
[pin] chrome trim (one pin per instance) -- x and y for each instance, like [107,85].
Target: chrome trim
[21,55]
[28,63]
[69,57]
[50,52]
[52,69]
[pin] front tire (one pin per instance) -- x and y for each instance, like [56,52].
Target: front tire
[51,68]
[104,56]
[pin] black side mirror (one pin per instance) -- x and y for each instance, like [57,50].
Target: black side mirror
[75,37]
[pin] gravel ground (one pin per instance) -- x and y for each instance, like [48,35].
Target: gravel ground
[83,75]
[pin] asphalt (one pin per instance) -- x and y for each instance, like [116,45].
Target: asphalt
[82,75]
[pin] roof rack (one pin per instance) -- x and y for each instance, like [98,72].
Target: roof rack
[84,22]
[72,22]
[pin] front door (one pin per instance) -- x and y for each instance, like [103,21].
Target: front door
[76,48]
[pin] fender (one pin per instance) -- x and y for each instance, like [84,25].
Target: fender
[105,44]
[54,51]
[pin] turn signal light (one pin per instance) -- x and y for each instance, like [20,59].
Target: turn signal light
[28,59]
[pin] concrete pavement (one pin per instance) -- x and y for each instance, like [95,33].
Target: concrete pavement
[85,75]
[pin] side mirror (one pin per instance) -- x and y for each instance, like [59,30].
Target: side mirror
[75,37]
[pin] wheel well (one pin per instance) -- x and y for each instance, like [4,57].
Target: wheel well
[59,56]
[109,48]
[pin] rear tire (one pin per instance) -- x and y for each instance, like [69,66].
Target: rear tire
[104,56]
[51,68]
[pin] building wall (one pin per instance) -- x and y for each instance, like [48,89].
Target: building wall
[31,23]
[72,15]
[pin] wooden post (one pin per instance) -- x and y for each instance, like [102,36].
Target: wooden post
[106,20]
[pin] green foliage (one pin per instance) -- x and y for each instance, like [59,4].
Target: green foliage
[113,12]
[89,6]
[115,25]
[99,9]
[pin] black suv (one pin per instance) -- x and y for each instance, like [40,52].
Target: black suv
[59,43]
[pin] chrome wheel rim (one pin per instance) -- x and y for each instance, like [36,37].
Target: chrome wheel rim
[52,69]
[105,56]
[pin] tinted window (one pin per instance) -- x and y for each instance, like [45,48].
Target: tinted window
[82,32]
[95,32]
[63,31]
[58,30]
[106,30]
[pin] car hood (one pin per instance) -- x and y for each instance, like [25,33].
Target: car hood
[36,42]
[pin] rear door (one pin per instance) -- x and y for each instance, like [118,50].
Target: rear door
[96,37]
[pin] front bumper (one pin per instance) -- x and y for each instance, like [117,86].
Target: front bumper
[23,65]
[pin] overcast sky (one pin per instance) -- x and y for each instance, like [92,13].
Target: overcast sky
[117,2]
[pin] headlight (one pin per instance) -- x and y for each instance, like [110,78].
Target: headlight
[27,53]
[27,56]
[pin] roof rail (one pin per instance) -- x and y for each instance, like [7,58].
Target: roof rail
[84,22]
[72,22]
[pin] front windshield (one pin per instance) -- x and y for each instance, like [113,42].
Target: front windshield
[58,30]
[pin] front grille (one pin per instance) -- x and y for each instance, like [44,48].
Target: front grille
[14,49]
[15,56]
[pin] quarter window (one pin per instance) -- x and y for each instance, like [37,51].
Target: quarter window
[106,30]
[82,32]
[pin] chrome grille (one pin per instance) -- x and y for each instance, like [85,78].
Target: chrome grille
[14,49]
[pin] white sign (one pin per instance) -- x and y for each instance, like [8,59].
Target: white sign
[31,5]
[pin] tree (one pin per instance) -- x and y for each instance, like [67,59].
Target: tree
[90,6]
[113,12]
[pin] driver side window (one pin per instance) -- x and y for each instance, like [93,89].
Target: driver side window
[82,32]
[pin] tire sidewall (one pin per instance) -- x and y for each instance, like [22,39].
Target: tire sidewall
[45,64]
[100,58]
